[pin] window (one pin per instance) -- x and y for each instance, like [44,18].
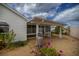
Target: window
[4,27]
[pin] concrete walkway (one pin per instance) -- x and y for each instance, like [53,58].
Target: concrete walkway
[69,45]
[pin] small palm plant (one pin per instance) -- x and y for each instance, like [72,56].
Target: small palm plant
[9,37]
[6,39]
[2,45]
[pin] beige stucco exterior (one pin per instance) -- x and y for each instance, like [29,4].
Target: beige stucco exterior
[15,21]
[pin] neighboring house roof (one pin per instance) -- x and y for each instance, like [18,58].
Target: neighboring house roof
[15,11]
[41,21]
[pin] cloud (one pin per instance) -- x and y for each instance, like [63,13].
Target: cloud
[37,9]
[73,23]
[68,15]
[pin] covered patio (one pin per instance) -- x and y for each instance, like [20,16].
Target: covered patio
[41,28]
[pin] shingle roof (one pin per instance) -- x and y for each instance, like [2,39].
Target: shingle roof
[42,21]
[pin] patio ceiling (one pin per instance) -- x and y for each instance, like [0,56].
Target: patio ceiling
[41,21]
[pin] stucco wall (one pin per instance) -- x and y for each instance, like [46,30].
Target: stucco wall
[17,23]
[74,31]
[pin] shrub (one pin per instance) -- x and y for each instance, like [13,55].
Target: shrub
[17,44]
[20,43]
[2,43]
[9,37]
[49,52]
[6,39]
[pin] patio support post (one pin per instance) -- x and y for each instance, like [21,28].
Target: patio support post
[26,31]
[60,33]
[50,30]
[44,29]
[37,31]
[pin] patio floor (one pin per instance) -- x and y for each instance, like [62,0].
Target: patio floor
[69,45]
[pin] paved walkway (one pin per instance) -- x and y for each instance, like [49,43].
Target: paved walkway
[69,45]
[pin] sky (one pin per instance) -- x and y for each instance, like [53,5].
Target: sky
[66,13]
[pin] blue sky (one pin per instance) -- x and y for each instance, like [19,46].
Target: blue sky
[67,13]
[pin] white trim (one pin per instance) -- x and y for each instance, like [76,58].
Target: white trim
[37,29]
[26,30]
